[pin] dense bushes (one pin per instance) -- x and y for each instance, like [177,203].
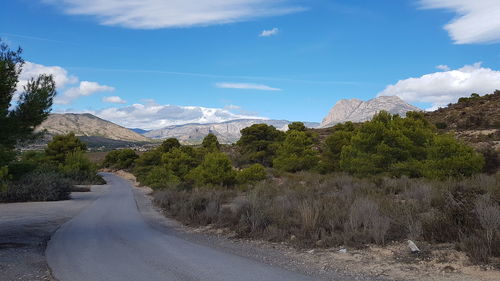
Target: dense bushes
[388,179]
[308,209]
[120,159]
[37,186]
[64,163]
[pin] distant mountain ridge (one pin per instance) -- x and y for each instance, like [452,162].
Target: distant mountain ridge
[88,125]
[226,132]
[356,110]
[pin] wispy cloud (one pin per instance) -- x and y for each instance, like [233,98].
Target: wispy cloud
[443,67]
[153,14]
[270,32]
[477,21]
[246,86]
[441,88]
[114,99]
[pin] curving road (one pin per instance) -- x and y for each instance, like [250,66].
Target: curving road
[110,241]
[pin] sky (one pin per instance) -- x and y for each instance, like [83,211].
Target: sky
[154,63]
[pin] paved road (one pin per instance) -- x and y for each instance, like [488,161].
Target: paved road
[110,240]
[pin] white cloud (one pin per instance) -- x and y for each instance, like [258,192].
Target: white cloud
[154,116]
[152,14]
[114,99]
[271,32]
[443,67]
[70,85]
[445,87]
[246,86]
[31,70]
[85,88]
[477,21]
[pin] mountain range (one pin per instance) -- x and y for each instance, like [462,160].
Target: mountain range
[226,132]
[91,128]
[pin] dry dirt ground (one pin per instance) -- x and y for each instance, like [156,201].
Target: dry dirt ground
[394,261]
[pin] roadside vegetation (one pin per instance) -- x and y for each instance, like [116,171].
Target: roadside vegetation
[389,179]
[35,176]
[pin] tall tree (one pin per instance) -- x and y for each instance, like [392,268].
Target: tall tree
[20,116]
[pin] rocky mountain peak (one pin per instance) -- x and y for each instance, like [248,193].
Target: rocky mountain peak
[356,110]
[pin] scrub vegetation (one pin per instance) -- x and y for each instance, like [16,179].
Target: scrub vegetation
[389,179]
[35,176]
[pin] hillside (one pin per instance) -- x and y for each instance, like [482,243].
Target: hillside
[356,110]
[475,120]
[226,132]
[90,126]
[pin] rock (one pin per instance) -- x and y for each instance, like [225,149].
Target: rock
[413,247]
[293,237]
[311,251]
[343,251]
[355,110]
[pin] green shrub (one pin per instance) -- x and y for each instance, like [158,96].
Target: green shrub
[254,173]
[216,169]
[62,145]
[211,143]
[120,159]
[169,144]
[37,186]
[296,153]
[161,177]
[258,143]
[80,170]
[182,160]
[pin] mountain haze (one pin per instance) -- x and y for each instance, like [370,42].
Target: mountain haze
[356,110]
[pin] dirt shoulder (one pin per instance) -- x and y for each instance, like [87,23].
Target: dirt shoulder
[392,262]
[25,229]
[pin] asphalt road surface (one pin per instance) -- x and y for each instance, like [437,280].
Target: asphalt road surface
[109,240]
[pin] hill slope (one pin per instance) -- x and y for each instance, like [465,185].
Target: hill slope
[90,126]
[356,110]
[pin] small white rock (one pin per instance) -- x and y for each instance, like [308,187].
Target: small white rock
[413,247]
[343,251]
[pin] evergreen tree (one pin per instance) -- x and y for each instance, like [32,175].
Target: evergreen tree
[19,118]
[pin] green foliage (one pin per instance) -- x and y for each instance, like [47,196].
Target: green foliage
[211,143]
[182,160]
[259,142]
[216,169]
[169,144]
[145,163]
[120,159]
[78,168]
[449,158]
[31,109]
[252,174]
[62,145]
[297,126]
[4,176]
[335,142]
[296,153]
[161,177]
[37,186]
[408,146]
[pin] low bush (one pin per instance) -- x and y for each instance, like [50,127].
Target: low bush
[252,174]
[78,168]
[37,186]
[120,159]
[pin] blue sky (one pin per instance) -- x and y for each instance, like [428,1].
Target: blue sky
[127,63]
